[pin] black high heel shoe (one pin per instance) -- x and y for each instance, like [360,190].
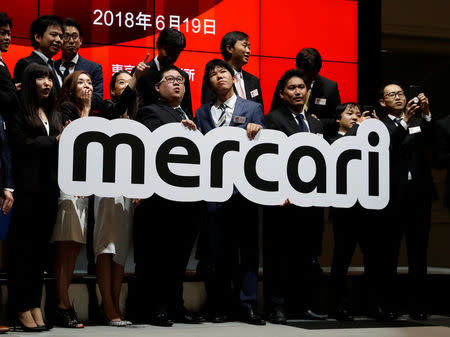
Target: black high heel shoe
[19,325]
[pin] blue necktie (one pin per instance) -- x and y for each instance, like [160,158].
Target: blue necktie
[222,117]
[398,120]
[182,113]
[301,123]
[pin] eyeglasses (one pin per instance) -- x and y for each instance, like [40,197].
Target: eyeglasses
[172,79]
[391,95]
[5,33]
[67,37]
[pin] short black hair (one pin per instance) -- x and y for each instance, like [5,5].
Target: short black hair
[288,75]
[309,59]
[164,70]
[40,25]
[341,108]
[171,40]
[69,22]
[216,63]
[385,83]
[5,20]
[230,39]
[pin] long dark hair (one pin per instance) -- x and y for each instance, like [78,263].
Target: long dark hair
[67,95]
[30,97]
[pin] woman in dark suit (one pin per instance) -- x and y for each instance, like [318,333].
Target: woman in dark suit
[34,133]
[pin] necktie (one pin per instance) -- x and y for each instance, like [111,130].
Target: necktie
[308,95]
[182,113]
[223,116]
[51,64]
[67,66]
[301,123]
[238,85]
[398,120]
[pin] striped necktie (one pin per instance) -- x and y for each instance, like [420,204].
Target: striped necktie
[223,116]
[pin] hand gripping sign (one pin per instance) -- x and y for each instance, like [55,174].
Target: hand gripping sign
[122,157]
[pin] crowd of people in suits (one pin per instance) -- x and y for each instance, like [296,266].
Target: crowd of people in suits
[43,96]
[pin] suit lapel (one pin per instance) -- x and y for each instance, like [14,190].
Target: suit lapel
[238,108]
[174,114]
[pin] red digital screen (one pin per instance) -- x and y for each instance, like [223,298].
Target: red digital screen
[118,34]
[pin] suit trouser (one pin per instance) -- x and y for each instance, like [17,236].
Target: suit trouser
[292,236]
[350,227]
[231,253]
[410,217]
[29,233]
[164,234]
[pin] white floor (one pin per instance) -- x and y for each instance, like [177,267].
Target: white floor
[238,330]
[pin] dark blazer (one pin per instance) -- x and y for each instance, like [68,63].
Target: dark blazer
[253,113]
[6,179]
[24,62]
[147,94]
[34,155]
[408,154]
[251,83]
[159,113]
[9,101]
[281,119]
[95,70]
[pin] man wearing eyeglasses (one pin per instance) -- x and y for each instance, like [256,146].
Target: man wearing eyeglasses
[409,209]
[165,230]
[70,60]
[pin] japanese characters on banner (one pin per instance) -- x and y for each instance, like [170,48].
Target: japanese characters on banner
[118,34]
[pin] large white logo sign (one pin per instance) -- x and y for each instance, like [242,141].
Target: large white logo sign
[122,157]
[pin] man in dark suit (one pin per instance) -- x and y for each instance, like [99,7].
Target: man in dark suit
[46,39]
[170,44]
[291,232]
[230,225]
[323,95]
[235,49]
[409,210]
[8,93]
[165,230]
[71,61]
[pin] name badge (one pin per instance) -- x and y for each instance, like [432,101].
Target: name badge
[239,119]
[254,93]
[321,101]
[415,129]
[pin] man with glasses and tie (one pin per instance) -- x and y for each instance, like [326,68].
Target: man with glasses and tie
[409,209]
[165,230]
[71,60]
[231,228]
[290,232]
[46,39]
[235,49]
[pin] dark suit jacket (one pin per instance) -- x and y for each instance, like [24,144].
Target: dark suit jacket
[252,112]
[9,101]
[281,119]
[323,88]
[24,62]
[6,179]
[147,94]
[408,154]
[155,115]
[251,83]
[95,70]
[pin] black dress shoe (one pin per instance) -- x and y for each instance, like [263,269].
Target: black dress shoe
[218,317]
[161,319]
[183,315]
[277,316]
[342,314]
[382,315]
[248,315]
[309,314]
[418,315]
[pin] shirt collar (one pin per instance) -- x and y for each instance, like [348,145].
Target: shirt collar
[158,66]
[393,117]
[42,56]
[74,60]
[229,103]
[342,133]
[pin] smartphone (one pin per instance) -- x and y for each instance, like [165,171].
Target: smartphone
[414,91]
